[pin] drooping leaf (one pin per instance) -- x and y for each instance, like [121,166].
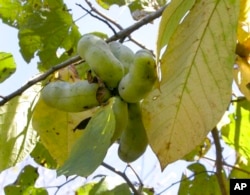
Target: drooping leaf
[202,182]
[171,18]
[196,80]
[17,137]
[91,148]
[55,129]
[236,133]
[7,65]
[25,183]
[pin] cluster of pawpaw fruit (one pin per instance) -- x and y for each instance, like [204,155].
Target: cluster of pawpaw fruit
[119,74]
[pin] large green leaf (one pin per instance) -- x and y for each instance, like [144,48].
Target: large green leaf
[7,65]
[236,133]
[17,137]
[56,129]
[25,183]
[44,27]
[202,182]
[91,148]
[196,80]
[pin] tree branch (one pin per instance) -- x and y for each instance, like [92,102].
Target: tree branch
[219,161]
[123,175]
[73,60]
[122,34]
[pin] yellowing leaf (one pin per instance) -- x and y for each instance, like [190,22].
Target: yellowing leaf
[55,128]
[17,137]
[196,80]
[91,148]
[242,76]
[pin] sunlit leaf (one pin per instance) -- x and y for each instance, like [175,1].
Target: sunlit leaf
[196,80]
[10,17]
[236,133]
[103,187]
[241,168]
[107,3]
[25,183]
[17,137]
[7,65]
[55,129]
[42,156]
[171,18]
[201,182]
[91,148]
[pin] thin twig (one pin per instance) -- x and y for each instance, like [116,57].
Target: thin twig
[219,161]
[123,175]
[114,23]
[97,17]
[137,176]
[75,59]
[147,19]
[228,165]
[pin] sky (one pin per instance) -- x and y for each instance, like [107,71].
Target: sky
[147,166]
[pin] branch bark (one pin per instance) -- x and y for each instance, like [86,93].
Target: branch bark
[219,161]
[124,176]
[120,35]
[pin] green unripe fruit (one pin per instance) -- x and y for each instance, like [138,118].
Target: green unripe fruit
[120,109]
[71,97]
[123,53]
[101,60]
[140,79]
[133,141]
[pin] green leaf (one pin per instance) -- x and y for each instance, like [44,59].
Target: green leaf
[241,168]
[17,137]
[236,133]
[25,183]
[7,16]
[90,149]
[55,129]
[7,65]
[202,182]
[171,18]
[44,28]
[107,3]
[42,156]
[103,188]
[196,80]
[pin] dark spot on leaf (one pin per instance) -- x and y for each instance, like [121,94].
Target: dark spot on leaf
[82,125]
[57,133]
[248,85]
